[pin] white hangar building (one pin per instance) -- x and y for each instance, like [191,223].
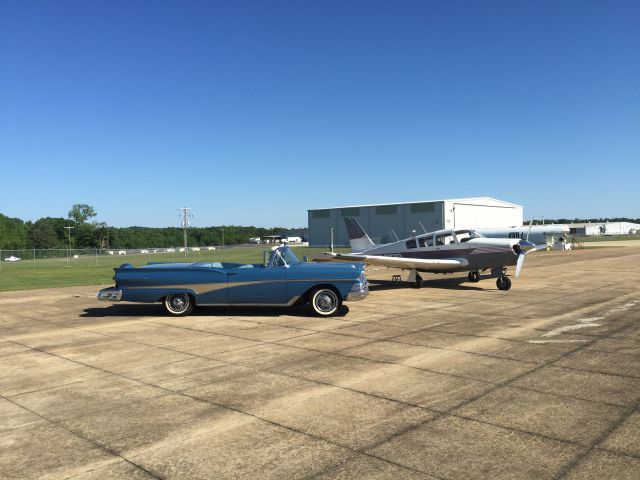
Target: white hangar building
[604,228]
[386,221]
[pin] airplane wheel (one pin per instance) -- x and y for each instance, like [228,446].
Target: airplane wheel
[503,282]
[325,302]
[418,283]
[178,304]
[474,277]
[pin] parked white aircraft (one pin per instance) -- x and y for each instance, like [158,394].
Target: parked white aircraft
[442,251]
[537,234]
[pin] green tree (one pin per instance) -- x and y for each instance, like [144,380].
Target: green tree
[42,234]
[13,233]
[81,212]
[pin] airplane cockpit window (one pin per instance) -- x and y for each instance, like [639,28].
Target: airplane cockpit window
[412,243]
[444,239]
[425,241]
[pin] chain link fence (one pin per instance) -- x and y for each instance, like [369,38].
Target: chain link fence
[64,257]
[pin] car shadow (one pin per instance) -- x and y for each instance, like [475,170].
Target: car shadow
[456,283]
[155,310]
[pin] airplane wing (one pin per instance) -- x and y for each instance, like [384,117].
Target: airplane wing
[432,265]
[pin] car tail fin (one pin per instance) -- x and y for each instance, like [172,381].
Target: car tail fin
[358,238]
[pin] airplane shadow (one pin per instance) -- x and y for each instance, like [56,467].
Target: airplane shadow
[155,310]
[456,283]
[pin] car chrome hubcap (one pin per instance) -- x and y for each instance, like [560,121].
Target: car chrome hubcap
[326,301]
[178,303]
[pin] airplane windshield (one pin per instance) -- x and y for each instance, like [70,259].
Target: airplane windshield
[466,235]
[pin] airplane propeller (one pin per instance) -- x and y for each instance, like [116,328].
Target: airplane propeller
[522,248]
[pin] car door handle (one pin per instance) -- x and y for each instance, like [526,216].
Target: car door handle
[231,273]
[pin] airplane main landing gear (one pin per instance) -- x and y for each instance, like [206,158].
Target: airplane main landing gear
[415,279]
[474,277]
[503,282]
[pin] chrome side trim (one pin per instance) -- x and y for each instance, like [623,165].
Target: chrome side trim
[197,288]
[204,288]
[288,304]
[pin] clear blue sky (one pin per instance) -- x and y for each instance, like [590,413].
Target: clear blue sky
[252,112]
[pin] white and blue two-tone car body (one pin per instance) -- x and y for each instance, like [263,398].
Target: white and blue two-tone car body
[281,280]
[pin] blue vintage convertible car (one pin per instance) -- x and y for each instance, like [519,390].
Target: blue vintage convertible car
[281,280]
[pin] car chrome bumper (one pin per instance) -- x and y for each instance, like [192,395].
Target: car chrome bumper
[110,295]
[358,292]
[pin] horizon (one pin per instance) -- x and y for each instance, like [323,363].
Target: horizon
[254,113]
[542,220]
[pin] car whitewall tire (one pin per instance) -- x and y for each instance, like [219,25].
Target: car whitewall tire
[325,302]
[178,304]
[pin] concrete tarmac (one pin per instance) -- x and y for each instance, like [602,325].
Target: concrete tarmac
[456,380]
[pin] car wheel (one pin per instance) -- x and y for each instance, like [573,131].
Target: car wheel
[178,304]
[325,301]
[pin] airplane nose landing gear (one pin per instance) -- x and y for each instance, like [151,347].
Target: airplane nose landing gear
[503,282]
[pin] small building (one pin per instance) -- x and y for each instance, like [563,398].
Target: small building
[621,228]
[272,239]
[603,228]
[586,229]
[296,235]
[387,222]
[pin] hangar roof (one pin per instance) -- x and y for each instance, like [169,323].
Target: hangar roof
[488,200]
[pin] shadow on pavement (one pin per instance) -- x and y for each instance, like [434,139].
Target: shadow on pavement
[457,283]
[155,310]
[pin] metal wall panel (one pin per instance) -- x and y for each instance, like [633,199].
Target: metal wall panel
[379,220]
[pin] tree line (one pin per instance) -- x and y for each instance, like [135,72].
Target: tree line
[50,232]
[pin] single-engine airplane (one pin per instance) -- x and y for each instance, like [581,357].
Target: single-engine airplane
[442,251]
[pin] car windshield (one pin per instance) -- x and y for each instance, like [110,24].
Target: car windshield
[282,257]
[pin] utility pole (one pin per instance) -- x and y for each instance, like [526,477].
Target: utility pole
[331,233]
[185,225]
[69,230]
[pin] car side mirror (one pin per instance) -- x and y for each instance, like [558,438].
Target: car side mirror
[305,259]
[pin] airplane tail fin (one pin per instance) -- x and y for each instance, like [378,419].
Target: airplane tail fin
[358,238]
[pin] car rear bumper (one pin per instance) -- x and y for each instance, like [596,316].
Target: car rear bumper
[358,292]
[110,294]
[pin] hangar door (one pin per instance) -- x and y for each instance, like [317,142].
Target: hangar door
[467,215]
